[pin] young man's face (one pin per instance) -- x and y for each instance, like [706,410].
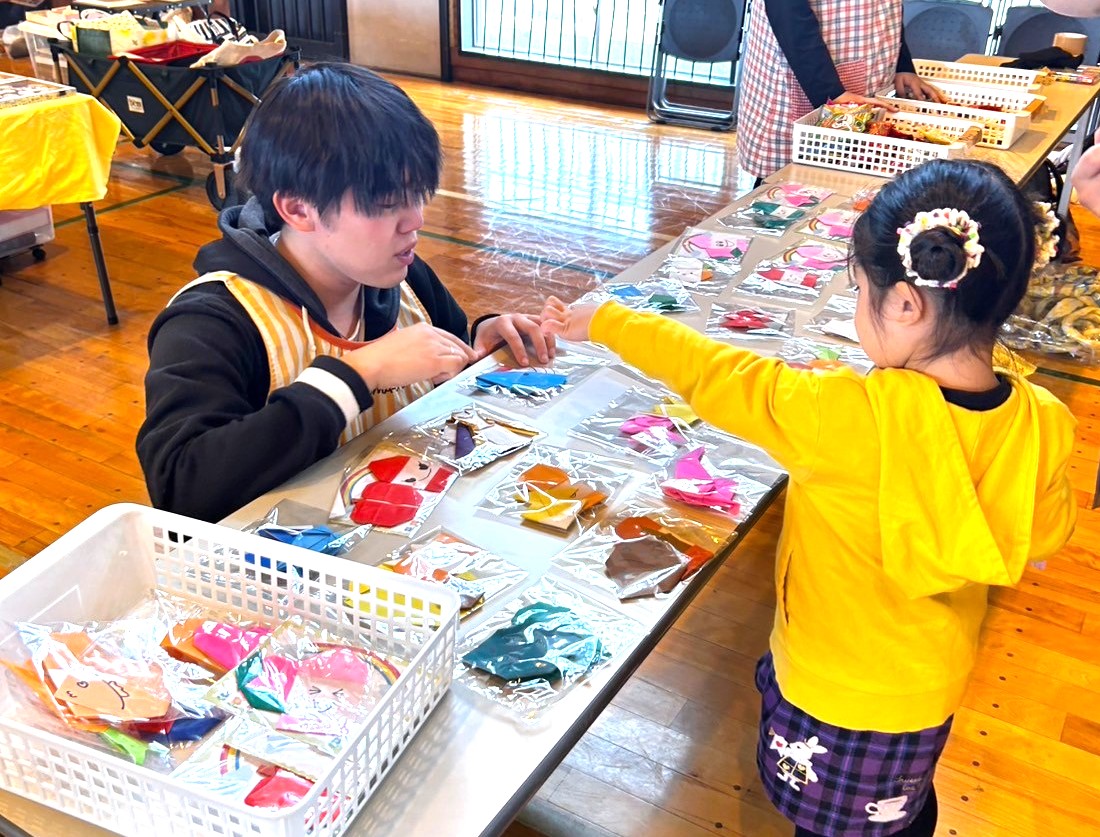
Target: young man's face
[371,250]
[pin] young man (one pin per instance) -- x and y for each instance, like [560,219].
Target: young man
[312,318]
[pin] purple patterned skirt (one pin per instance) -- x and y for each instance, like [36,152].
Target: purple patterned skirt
[841,782]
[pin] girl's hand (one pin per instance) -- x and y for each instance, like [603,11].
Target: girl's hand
[912,86]
[518,332]
[420,352]
[569,323]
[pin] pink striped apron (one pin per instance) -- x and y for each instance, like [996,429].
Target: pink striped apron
[863,36]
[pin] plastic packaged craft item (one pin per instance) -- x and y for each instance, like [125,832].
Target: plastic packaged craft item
[706,479]
[631,536]
[705,260]
[659,295]
[833,224]
[475,574]
[1059,314]
[654,425]
[749,321]
[801,353]
[836,318]
[557,489]
[522,387]
[391,488]
[469,438]
[305,683]
[776,208]
[308,527]
[1025,334]
[846,116]
[800,273]
[548,639]
[862,198]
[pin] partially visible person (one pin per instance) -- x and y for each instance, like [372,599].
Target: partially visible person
[800,54]
[912,490]
[1086,178]
[312,318]
[1074,8]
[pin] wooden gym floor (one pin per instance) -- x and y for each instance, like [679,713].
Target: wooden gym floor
[542,196]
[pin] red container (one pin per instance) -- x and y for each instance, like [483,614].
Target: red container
[172,52]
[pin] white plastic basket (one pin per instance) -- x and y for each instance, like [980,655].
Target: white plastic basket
[872,154]
[1000,129]
[976,73]
[106,565]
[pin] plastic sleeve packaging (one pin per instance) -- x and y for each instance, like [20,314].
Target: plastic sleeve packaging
[800,353]
[776,208]
[475,574]
[470,438]
[290,521]
[545,641]
[836,318]
[610,428]
[572,364]
[800,273]
[661,295]
[557,490]
[833,224]
[705,260]
[749,321]
[652,526]
[862,198]
[391,488]
[1059,314]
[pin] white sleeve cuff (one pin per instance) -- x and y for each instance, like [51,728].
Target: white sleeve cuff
[332,386]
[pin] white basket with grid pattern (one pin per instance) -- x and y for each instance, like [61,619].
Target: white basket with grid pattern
[109,563]
[873,154]
[976,73]
[1000,129]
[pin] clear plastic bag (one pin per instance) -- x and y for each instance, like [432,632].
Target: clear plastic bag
[862,198]
[705,261]
[541,644]
[470,438]
[749,321]
[659,295]
[1025,334]
[1059,314]
[801,272]
[557,490]
[392,489]
[649,423]
[695,535]
[538,385]
[801,353]
[475,574]
[776,208]
[308,527]
[833,224]
[836,318]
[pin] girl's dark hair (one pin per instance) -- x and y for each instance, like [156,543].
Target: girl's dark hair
[334,128]
[970,314]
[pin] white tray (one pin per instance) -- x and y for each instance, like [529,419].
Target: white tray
[109,563]
[1000,128]
[976,73]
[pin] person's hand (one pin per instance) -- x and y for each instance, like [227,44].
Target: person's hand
[567,322]
[912,86]
[520,333]
[1086,178]
[855,99]
[419,352]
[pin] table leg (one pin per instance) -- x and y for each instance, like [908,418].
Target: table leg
[1080,132]
[100,264]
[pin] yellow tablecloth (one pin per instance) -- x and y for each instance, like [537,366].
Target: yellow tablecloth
[55,151]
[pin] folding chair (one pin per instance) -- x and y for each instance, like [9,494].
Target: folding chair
[700,31]
[945,30]
[1029,29]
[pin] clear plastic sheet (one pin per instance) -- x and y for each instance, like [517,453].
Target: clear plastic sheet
[557,490]
[475,574]
[308,527]
[801,353]
[862,198]
[695,534]
[740,483]
[777,208]
[1059,314]
[705,261]
[1024,334]
[614,426]
[391,488]
[660,295]
[303,683]
[556,650]
[834,224]
[574,365]
[470,438]
[801,272]
[836,318]
[749,321]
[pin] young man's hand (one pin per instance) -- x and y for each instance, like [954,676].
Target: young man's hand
[420,352]
[569,323]
[522,334]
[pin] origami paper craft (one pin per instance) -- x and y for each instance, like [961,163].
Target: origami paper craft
[715,245]
[790,276]
[676,409]
[91,693]
[314,538]
[824,359]
[771,216]
[644,566]
[553,499]
[521,381]
[746,318]
[693,484]
[389,490]
[625,291]
[816,257]
[652,431]
[471,430]
[631,528]
[665,303]
[796,194]
[688,270]
[833,223]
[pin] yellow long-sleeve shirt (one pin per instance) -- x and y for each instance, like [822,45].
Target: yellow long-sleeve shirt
[901,510]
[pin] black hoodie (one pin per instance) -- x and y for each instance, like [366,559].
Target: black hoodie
[212,439]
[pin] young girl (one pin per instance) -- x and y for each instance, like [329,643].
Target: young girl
[912,489]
